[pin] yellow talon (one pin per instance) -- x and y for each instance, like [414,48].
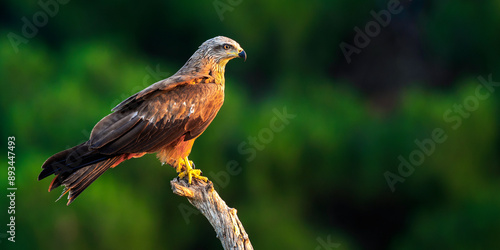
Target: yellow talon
[189,171]
[180,165]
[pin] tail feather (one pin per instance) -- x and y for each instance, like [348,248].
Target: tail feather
[76,168]
[79,180]
[70,160]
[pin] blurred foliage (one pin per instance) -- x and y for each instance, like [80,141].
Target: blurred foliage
[319,179]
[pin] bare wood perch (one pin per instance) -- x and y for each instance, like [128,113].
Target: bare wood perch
[223,219]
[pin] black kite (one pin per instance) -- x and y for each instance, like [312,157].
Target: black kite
[165,118]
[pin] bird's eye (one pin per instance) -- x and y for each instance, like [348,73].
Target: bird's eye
[226,46]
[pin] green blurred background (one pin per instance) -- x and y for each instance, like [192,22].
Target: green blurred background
[320,182]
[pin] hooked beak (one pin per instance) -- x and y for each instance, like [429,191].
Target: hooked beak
[243,55]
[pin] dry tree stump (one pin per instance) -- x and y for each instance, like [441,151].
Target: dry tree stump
[223,219]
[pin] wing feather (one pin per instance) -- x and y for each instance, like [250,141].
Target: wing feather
[164,85]
[111,127]
[161,114]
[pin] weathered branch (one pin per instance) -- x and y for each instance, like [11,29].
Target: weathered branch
[223,219]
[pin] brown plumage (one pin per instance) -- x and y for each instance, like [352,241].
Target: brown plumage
[165,118]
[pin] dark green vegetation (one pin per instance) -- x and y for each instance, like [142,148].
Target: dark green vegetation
[317,177]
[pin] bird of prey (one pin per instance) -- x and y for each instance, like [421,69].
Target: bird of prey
[165,118]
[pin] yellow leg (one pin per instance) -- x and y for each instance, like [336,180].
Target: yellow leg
[189,171]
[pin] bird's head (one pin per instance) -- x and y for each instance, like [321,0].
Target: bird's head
[212,56]
[221,49]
